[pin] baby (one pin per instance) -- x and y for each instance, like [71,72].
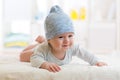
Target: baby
[59,47]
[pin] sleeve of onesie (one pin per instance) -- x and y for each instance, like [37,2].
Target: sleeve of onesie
[85,55]
[37,58]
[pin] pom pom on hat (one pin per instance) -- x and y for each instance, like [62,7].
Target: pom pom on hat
[56,9]
[57,22]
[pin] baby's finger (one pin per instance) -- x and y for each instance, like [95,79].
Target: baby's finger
[49,70]
[52,68]
[57,68]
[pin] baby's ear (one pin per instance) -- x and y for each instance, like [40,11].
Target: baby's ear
[48,41]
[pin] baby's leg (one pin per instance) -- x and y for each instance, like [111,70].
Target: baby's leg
[26,53]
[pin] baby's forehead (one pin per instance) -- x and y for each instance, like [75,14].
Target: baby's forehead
[65,34]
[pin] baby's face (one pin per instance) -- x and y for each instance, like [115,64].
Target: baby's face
[62,42]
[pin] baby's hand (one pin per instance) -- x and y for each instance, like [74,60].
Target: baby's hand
[101,64]
[52,67]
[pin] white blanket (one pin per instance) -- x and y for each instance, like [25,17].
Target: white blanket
[12,69]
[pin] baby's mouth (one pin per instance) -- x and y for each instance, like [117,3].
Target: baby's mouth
[65,46]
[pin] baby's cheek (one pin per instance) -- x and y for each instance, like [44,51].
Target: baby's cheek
[71,44]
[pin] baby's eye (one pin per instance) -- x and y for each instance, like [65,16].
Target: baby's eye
[70,36]
[60,37]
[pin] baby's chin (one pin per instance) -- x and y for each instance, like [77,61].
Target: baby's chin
[65,48]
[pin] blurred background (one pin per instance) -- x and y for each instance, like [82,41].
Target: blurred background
[96,22]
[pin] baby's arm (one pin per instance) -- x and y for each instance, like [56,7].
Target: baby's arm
[87,56]
[38,60]
[52,67]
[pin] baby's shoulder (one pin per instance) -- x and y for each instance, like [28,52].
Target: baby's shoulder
[43,46]
[75,46]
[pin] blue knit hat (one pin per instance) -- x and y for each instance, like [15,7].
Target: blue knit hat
[57,22]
